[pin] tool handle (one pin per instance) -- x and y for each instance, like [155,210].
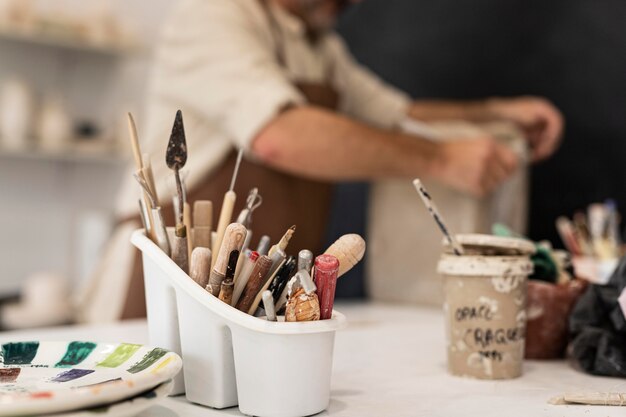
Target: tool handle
[180,253]
[160,231]
[226,214]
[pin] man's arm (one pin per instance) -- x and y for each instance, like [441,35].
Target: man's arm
[539,119]
[319,144]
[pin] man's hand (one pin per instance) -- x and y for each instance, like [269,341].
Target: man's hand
[539,119]
[476,166]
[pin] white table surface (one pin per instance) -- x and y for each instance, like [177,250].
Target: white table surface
[390,361]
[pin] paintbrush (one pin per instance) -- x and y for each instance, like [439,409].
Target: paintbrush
[432,209]
[158,225]
[144,173]
[228,205]
[175,158]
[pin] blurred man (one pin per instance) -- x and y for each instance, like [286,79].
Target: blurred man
[270,76]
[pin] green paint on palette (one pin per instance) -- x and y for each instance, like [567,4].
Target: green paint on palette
[120,355]
[75,354]
[20,353]
[148,360]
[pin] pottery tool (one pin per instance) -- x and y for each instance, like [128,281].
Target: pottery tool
[264,245]
[591,398]
[188,227]
[134,143]
[432,209]
[303,303]
[349,250]
[253,201]
[254,284]
[228,205]
[145,220]
[285,273]
[582,233]
[268,303]
[149,176]
[325,278]
[280,290]
[175,158]
[244,275]
[278,258]
[266,283]
[227,286]
[159,230]
[284,241]
[200,265]
[305,260]
[202,223]
[234,236]
[568,235]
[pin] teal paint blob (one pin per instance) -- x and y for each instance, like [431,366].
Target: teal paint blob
[75,354]
[19,353]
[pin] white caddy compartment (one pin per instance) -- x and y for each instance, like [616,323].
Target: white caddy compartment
[229,357]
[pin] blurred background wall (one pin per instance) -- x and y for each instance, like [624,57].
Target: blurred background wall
[55,206]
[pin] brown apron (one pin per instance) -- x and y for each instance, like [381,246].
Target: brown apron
[287,199]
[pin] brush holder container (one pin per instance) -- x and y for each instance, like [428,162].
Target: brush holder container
[230,358]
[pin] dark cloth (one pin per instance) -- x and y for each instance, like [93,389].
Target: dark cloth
[599,328]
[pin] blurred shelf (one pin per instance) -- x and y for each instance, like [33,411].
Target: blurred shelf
[67,42]
[71,155]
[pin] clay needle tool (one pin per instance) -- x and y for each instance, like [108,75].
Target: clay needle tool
[234,237]
[200,265]
[264,245]
[228,205]
[284,241]
[244,276]
[158,225]
[175,158]
[432,209]
[257,277]
[202,223]
[227,286]
[268,303]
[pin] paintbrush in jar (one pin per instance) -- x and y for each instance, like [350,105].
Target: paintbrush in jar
[228,205]
[432,209]
[175,158]
[254,284]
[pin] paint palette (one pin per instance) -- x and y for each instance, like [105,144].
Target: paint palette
[46,377]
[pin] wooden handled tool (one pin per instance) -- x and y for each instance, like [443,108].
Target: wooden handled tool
[228,206]
[202,223]
[175,158]
[349,250]
[227,286]
[201,265]
[234,237]
[284,241]
[256,281]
